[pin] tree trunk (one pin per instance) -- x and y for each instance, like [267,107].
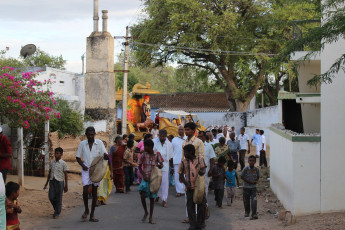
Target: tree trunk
[271,97]
[242,106]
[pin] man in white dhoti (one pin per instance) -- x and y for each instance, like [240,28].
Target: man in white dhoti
[177,149]
[86,153]
[164,147]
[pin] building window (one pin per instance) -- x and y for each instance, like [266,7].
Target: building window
[61,82]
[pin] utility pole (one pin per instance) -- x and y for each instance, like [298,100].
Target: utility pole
[82,59]
[124,88]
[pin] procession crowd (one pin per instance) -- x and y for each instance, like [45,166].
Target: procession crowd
[210,156]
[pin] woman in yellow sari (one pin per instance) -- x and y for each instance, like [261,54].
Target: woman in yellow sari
[105,186]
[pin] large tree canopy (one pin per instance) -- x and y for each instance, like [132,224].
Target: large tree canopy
[234,40]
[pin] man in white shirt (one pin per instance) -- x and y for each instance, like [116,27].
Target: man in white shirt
[244,146]
[209,161]
[177,149]
[88,150]
[211,140]
[220,133]
[164,147]
[263,160]
[226,133]
[257,142]
[155,131]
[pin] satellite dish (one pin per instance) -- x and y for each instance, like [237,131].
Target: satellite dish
[28,50]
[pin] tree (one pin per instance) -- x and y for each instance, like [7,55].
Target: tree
[194,79]
[70,121]
[315,38]
[41,58]
[22,98]
[131,80]
[233,40]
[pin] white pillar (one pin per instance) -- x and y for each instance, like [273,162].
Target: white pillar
[280,111]
[105,20]
[46,149]
[20,156]
[95,15]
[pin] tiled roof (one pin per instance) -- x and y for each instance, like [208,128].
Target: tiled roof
[191,102]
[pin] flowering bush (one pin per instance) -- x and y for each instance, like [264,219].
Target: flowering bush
[23,100]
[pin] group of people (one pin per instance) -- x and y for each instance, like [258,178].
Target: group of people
[184,158]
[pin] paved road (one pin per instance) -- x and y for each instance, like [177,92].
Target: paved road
[125,212]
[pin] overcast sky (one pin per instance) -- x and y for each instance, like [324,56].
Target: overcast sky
[61,26]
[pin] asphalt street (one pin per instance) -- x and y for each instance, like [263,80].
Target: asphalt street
[124,211]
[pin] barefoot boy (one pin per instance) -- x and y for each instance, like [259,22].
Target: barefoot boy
[231,179]
[12,205]
[190,167]
[250,175]
[57,184]
[218,177]
[147,161]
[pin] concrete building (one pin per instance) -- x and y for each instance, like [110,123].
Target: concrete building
[305,166]
[100,78]
[66,85]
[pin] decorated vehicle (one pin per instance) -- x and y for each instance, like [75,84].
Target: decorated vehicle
[138,110]
[178,117]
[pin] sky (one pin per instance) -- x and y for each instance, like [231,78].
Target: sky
[60,27]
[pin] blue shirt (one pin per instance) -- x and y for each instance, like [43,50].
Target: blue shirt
[232,177]
[257,139]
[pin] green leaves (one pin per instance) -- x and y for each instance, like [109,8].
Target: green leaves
[41,58]
[70,121]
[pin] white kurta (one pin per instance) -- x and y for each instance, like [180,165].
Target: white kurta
[177,149]
[166,152]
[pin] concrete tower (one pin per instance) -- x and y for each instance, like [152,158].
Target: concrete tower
[100,78]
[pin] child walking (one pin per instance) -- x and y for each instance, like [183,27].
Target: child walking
[58,181]
[147,162]
[12,206]
[218,177]
[250,176]
[128,165]
[189,168]
[231,175]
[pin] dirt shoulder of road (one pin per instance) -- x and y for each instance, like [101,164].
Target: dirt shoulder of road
[268,209]
[35,203]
